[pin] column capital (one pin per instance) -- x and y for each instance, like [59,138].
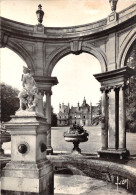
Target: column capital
[122,86]
[106,89]
[41,91]
[48,92]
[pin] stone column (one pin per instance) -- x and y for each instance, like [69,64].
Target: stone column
[40,103]
[104,120]
[48,116]
[112,119]
[122,119]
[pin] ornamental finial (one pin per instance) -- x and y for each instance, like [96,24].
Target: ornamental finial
[113,4]
[40,14]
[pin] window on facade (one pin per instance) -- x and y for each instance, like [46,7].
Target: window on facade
[84,116]
[60,116]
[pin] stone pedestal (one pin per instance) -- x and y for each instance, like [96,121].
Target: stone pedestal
[29,171]
[76,149]
[113,17]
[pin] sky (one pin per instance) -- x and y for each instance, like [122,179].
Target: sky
[74,73]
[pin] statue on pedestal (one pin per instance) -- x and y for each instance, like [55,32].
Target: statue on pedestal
[29,94]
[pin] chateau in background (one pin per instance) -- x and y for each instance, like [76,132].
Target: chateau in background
[81,115]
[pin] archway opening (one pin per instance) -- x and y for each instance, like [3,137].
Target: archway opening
[77,89]
[131,101]
[76,80]
[11,68]
[11,73]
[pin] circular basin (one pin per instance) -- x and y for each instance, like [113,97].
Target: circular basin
[76,134]
[71,137]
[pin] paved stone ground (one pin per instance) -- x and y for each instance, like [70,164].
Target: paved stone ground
[74,185]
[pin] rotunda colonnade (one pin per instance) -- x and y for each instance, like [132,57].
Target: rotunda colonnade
[109,40]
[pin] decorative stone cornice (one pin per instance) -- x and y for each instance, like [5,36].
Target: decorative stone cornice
[46,80]
[20,29]
[115,76]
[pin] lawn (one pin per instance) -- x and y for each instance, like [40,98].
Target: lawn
[92,145]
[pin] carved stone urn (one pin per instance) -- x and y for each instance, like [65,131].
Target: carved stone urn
[76,134]
[4,137]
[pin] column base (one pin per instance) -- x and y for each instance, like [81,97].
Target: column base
[20,178]
[49,150]
[113,153]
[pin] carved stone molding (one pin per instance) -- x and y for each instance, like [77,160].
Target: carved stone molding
[107,89]
[48,92]
[76,47]
[41,92]
[4,40]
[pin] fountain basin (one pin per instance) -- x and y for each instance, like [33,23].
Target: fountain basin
[76,134]
[69,137]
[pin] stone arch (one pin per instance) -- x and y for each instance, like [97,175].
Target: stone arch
[125,48]
[98,53]
[88,48]
[57,55]
[20,50]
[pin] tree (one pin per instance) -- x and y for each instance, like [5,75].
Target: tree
[131,93]
[97,119]
[53,119]
[9,101]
